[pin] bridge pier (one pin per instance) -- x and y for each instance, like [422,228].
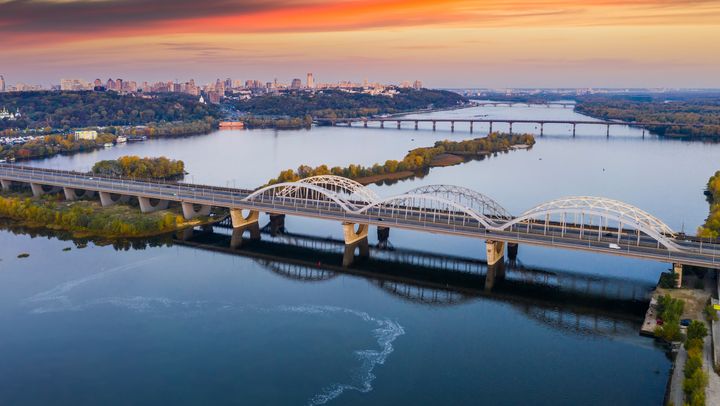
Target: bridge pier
[189,211]
[452,126]
[382,124]
[678,273]
[573,129]
[107,200]
[277,224]
[236,239]
[355,239]
[239,220]
[434,125]
[495,251]
[512,250]
[608,131]
[365,123]
[383,235]
[416,124]
[398,124]
[491,123]
[39,190]
[471,127]
[511,128]
[72,194]
[146,205]
[6,184]
[542,129]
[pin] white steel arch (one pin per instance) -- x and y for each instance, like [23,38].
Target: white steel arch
[341,185]
[476,201]
[299,191]
[623,213]
[426,206]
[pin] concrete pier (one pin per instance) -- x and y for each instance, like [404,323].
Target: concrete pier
[495,251]
[277,224]
[355,239]
[190,210]
[147,206]
[39,190]
[6,184]
[106,199]
[75,194]
[678,272]
[240,220]
[512,250]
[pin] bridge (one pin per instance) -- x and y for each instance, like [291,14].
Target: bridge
[524,104]
[399,121]
[584,223]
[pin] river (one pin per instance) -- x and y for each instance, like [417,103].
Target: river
[183,325]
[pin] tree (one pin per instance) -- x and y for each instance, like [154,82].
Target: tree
[697,330]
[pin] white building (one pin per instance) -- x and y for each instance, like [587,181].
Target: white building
[6,115]
[86,135]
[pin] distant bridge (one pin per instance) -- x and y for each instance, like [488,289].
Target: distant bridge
[591,224]
[525,104]
[399,121]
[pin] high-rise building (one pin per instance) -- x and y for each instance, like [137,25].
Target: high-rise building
[417,85]
[110,84]
[296,84]
[119,85]
[310,81]
[2,83]
[74,84]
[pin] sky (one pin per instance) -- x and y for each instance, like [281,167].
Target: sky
[453,43]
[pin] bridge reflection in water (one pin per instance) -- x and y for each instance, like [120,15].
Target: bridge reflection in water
[573,302]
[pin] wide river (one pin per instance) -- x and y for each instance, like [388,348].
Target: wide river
[180,325]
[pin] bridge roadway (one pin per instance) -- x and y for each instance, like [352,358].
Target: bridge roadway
[589,238]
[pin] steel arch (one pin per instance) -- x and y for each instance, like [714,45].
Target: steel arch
[342,185]
[426,204]
[603,207]
[476,201]
[300,191]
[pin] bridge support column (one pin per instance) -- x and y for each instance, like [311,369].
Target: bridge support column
[355,239]
[189,211]
[416,124]
[383,235]
[277,224]
[471,127]
[511,128]
[398,124]
[382,124]
[512,250]
[452,126]
[491,123]
[243,223]
[39,190]
[365,123]
[542,129]
[72,194]
[495,251]
[146,205]
[434,123]
[573,130]
[107,200]
[6,184]
[608,131]
[678,273]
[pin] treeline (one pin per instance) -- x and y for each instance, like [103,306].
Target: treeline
[688,109]
[141,168]
[88,218]
[711,228]
[53,144]
[416,160]
[68,110]
[336,103]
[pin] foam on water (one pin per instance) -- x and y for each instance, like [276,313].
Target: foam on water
[386,331]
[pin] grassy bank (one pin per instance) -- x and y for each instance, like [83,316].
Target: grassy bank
[418,161]
[84,218]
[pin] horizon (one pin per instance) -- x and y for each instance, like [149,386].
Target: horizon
[454,44]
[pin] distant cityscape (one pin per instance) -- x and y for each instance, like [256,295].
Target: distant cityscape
[213,92]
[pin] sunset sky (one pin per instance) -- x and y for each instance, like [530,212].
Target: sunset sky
[456,43]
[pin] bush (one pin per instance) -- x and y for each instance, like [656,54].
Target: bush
[696,330]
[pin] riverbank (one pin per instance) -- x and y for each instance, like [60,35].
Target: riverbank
[87,218]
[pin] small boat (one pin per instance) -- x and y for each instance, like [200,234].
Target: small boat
[120,139]
[136,138]
[108,145]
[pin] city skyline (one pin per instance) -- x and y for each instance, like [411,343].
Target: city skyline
[548,43]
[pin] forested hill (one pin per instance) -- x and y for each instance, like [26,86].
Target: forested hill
[84,109]
[335,103]
[673,108]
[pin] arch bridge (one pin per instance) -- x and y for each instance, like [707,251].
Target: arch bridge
[585,223]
